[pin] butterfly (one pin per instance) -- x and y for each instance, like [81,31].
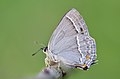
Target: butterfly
[69,47]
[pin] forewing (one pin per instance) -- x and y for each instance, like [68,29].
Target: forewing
[71,25]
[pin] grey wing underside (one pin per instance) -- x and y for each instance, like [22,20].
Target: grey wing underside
[71,41]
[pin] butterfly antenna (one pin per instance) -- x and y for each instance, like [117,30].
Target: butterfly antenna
[43,46]
[37,51]
[37,43]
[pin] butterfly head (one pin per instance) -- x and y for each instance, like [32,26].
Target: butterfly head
[44,49]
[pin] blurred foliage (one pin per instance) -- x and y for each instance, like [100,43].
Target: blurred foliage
[23,22]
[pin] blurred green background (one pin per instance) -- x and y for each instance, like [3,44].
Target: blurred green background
[23,22]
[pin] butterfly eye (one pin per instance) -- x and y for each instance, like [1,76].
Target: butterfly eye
[44,49]
[46,71]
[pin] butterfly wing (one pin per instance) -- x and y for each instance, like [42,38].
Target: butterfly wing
[71,41]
